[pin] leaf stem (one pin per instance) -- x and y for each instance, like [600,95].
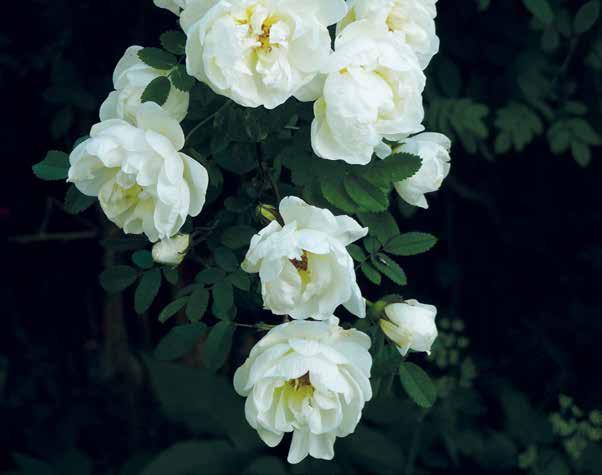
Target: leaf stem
[206,120]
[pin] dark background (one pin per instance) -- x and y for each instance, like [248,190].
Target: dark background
[520,257]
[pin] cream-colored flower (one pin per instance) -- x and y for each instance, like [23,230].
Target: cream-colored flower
[434,150]
[412,20]
[174,6]
[258,52]
[130,79]
[171,251]
[410,325]
[372,92]
[304,267]
[308,378]
[143,183]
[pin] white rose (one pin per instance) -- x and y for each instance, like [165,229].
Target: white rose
[174,6]
[412,20]
[309,378]
[434,150]
[305,270]
[130,78]
[143,183]
[171,251]
[373,91]
[410,325]
[258,52]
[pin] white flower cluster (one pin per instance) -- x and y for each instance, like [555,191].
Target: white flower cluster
[307,377]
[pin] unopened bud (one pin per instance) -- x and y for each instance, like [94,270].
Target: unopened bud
[171,251]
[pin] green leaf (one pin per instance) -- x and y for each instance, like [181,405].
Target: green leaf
[381,225]
[390,268]
[365,194]
[237,237]
[181,80]
[157,91]
[171,275]
[226,259]
[76,201]
[143,259]
[179,341]
[209,276]
[174,42]
[118,278]
[241,280]
[55,166]
[396,167]
[410,244]
[223,298]
[357,253]
[371,273]
[417,384]
[581,153]
[335,193]
[586,17]
[197,304]
[157,58]
[147,290]
[171,309]
[371,244]
[541,9]
[218,345]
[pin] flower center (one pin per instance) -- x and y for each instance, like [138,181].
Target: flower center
[264,37]
[302,385]
[301,264]
[396,19]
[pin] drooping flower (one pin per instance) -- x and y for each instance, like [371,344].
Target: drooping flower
[410,325]
[258,52]
[142,181]
[372,92]
[412,20]
[308,378]
[434,150]
[130,79]
[305,269]
[171,251]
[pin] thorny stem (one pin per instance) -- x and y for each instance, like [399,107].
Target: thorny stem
[205,120]
[45,237]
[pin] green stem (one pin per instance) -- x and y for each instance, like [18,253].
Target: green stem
[205,121]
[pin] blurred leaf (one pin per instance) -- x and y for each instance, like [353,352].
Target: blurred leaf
[209,276]
[118,278]
[197,304]
[172,275]
[55,166]
[76,201]
[237,237]
[541,9]
[187,458]
[417,384]
[31,466]
[223,298]
[143,259]
[240,280]
[147,290]
[218,344]
[226,259]
[586,17]
[172,308]
[179,341]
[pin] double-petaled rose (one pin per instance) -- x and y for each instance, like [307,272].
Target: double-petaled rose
[142,181]
[412,20]
[258,52]
[303,263]
[308,378]
[130,78]
[372,94]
